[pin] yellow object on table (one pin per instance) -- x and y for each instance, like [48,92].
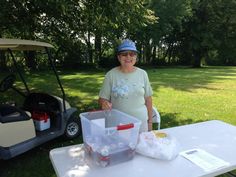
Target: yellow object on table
[159,134]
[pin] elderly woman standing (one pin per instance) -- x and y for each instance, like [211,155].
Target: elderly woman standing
[127,87]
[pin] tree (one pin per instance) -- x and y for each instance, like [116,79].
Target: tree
[161,35]
[210,30]
[224,23]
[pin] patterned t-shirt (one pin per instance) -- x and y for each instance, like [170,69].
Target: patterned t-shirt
[127,92]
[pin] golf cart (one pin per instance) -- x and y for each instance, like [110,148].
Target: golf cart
[41,117]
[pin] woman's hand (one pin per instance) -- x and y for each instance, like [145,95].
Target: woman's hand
[148,103]
[105,104]
[149,126]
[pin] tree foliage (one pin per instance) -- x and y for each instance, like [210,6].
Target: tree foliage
[86,32]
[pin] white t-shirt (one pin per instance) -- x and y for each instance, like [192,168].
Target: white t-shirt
[127,92]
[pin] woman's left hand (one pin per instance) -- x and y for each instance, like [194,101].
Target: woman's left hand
[149,126]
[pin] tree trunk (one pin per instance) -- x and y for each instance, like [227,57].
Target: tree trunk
[197,59]
[141,54]
[3,66]
[169,53]
[90,52]
[30,59]
[154,53]
[98,47]
[147,52]
[165,55]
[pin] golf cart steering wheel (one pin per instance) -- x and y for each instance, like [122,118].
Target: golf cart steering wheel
[7,82]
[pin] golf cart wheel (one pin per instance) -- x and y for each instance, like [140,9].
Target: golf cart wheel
[73,127]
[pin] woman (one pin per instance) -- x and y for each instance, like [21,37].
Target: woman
[127,87]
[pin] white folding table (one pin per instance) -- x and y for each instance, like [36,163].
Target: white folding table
[216,137]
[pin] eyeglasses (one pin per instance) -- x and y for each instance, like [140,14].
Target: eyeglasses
[125,54]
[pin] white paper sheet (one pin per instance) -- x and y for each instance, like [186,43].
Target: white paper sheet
[203,159]
[100,122]
[100,125]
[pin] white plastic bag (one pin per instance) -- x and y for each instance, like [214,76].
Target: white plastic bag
[157,145]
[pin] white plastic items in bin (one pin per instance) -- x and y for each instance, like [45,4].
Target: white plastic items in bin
[109,138]
[41,120]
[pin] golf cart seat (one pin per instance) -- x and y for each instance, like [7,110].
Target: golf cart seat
[10,113]
[42,102]
[16,124]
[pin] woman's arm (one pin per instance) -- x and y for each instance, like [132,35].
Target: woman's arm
[148,103]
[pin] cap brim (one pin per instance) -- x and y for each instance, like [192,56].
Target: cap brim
[128,49]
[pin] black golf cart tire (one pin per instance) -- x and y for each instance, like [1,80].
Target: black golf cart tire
[73,123]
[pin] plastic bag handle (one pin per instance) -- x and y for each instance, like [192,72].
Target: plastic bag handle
[125,127]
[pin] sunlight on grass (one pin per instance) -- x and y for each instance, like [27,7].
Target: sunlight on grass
[190,95]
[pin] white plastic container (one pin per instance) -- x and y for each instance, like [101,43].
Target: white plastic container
[109,137]
[41,121]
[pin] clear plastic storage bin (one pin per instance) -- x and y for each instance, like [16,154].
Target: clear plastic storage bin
[110,137]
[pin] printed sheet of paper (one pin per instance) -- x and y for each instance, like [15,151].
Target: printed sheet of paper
[203,159]
[99,124]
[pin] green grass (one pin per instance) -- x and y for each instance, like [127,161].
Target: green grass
[182,95]
[190,95]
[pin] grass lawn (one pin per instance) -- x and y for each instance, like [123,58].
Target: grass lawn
[182,95]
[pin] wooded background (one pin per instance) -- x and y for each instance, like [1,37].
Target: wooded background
[85,33]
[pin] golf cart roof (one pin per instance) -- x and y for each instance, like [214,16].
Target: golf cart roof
[19,44]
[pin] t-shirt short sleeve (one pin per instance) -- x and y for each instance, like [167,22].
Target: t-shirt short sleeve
[105,91]
[147,86]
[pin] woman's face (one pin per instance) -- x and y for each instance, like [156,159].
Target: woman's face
[127,58]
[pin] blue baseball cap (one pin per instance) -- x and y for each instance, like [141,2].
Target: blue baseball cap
[127,45]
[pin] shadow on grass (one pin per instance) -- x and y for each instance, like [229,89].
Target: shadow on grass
[88,84]
[185,79]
